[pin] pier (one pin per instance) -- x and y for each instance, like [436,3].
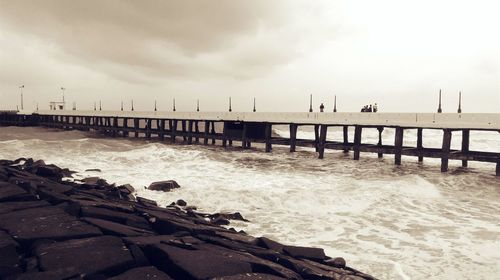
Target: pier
[245,128]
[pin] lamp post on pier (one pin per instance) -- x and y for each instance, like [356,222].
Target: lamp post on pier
[335,104]
[64,102]
[132,105]
[22,98]
[439,107]
[155,106]
[230,109]
[197,105]
[254,105]
[310,103]
[173,109]
[459,102]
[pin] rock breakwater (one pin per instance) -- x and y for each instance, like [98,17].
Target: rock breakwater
[51,228]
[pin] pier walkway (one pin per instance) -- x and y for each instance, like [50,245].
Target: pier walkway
[252,127]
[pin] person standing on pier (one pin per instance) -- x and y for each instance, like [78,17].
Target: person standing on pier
[375,108]
[321,108]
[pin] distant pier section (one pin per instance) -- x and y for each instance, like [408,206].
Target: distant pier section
[246,128]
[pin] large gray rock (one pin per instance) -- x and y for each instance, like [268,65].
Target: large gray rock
[147,272]
[90,256]
[164,186]
[45,223]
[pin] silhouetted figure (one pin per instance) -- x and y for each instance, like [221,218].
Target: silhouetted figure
[370,108]
[321,107]
[375,108]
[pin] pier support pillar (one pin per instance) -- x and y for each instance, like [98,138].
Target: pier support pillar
[419,144]
[136,127]
[173,130]
[244,136]
[293,137]
[498,167]
[379,144]
[115,127]
[148,128]
[161,128]
[197,132]
[190,132]
[224,135]
[316,137]
[445,151]
[398,145]
[212,131]
[346,138]
[207,130]
[183,126]
[357,141]
[322,141]
[268,137]
[125,127]
[465,145]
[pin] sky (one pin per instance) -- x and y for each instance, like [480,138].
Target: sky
[396,53]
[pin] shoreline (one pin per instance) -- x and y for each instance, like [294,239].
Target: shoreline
[66,223]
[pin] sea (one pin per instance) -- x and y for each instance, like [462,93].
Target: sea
[393,222]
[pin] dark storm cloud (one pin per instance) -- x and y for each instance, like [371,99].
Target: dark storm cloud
[137,40]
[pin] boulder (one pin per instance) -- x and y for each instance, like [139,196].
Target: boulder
[147,272]
[317,254]
[90,256]
[146,202]
[117,229]
[249,276]
[50,171]
[58,274]
[164,186]
[126,189]
[336,262]
[45,223]
[10,192]
[6,207]
[115,216]
[181,202]
[197,264]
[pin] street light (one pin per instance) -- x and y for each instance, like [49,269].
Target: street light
[64,103]
[21,88]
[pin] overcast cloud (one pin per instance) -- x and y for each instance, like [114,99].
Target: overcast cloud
[396,53]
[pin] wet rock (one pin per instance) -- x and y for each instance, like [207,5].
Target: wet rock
[50,171]
[220,221]
[9,259]
[93,170]
[10,192]
[249,276]
[115,216]
[197,264]
[336,262]
[90,256]
[164,186]
[7,207]
[58,274]
[317,254]
[126,189]
[146,202]
[45,223]
[117,229]
[270,244]
[148,272]
[181,202]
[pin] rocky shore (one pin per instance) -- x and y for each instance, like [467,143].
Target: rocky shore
[52,228]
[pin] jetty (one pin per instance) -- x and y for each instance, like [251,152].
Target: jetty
[246,128]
